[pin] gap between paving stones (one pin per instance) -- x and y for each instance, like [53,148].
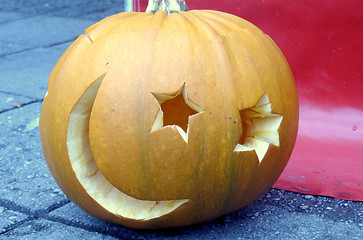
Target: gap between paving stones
[35,47]
[32,215]
[60,43]
[45,215]
[81,226]
[16,225]
[24,104]
[37,214]
[12,20]
[19,95]
[15,52]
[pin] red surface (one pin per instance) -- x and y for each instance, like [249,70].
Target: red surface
[323,43]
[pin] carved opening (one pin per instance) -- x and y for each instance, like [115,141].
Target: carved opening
[259,128]
[175,111]
[92,180]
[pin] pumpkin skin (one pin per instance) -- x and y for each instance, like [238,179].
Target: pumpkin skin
[223,63]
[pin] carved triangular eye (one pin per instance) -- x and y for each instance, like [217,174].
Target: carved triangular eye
[175,110]
[259,128]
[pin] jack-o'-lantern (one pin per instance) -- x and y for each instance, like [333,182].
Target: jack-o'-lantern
[170,117]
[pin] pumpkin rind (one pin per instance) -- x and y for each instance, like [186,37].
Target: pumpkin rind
[225,63]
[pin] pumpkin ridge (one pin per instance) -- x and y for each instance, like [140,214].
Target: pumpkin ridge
[151,35]
[119,23]
[226,68]
[224,26]
[157,20]
[203,26]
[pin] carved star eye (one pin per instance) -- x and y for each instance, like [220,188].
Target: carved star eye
[260,128]
[175,110]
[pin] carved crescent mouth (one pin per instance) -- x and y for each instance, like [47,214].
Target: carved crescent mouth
[91,178]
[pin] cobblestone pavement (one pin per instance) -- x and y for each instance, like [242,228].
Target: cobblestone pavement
[33,35]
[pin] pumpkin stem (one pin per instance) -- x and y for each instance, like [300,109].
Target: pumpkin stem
[169,6]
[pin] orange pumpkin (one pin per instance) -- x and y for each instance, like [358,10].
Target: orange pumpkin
[169,118]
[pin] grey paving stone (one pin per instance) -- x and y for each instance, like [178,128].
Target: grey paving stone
[27,73]
[10,16]
[9,48]
[42,31]
[274,222]
[276,215]
[9,218]
[9,101]
[94,10]
[36,6]
[44,229]
[71,214]
[76,8]
[106,12]
[26,183]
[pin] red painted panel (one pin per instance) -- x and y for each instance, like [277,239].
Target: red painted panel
[323,43]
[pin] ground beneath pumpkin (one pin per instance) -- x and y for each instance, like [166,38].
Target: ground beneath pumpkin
[33,35]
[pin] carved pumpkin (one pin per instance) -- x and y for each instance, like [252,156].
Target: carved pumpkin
[157,120]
